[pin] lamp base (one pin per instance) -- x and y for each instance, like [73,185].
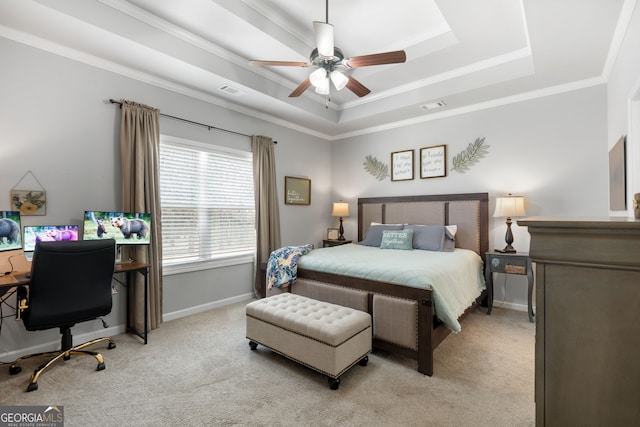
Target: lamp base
[507,250]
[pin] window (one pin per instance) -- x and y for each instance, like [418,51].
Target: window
[208,209]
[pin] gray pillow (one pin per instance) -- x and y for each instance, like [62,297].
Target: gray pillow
[374,234]
[397,239]
[427,237]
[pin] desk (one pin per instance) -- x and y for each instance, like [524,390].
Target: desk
[10,282]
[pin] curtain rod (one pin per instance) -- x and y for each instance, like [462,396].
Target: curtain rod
[209,127]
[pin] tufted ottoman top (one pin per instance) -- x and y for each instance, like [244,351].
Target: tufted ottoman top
[329,323]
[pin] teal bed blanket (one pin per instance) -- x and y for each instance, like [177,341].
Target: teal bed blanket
[456,278]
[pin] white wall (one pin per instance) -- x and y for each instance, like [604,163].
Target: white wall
[57,123]
[552,150]
[623,100]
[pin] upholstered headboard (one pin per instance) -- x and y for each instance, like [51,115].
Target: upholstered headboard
[470,212]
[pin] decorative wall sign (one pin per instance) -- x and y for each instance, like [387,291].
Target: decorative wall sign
[376,168]
[433,161]
[297,191]
[463,161]
[618,176]
[402,165]
[29,202]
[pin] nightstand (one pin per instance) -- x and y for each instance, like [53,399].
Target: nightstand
[327,243]
[505,263]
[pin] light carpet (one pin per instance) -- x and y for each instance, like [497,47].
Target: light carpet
[199,370]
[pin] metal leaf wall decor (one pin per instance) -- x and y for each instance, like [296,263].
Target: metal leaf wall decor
[376,168]
[463,161]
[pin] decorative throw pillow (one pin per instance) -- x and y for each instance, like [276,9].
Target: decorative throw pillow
[374,234]
[397,239]
[433,237]
[449,243]
[427,237]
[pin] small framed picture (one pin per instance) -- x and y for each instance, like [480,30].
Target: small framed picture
[297,191]
[433,161]
[402,165]
[332,234]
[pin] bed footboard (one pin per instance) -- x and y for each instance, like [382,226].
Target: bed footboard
[402,316]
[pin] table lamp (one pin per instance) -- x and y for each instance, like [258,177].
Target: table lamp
[509,206]
[340,209]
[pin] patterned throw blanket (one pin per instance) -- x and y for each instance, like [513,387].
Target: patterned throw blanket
[282,267]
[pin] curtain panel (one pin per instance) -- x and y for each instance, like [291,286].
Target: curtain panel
[267,211]
[139,153]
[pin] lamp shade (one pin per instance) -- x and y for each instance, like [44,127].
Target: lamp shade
[339,80]
[340,209]
[318,77]
[509,206]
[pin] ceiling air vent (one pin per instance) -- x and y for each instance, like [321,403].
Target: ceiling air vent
[230,90]
[432,105]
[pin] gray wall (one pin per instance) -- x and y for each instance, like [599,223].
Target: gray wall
[57,123]
[551,150]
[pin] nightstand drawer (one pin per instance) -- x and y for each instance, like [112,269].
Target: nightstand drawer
[508,264]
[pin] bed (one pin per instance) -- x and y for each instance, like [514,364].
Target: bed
[404,320]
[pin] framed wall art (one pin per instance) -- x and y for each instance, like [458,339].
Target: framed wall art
[297,191]
[402,165]
[332,234]
[433,161]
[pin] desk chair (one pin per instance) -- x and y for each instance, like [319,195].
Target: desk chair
[70,283]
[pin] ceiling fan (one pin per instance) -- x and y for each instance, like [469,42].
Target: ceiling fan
[331,64]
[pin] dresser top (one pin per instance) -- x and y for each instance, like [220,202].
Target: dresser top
[581,222]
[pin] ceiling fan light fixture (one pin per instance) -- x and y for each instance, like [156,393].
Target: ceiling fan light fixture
[323,87]
[318,77]
[339,79]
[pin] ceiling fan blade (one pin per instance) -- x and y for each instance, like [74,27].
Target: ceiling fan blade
[301,88]
[356,87]
[394,57]
[324,38]
[280,63]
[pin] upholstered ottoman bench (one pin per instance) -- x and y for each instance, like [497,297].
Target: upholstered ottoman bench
[326,337]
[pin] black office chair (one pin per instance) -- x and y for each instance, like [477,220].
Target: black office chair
[70,283]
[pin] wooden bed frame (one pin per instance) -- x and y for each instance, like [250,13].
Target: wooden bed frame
[403,316]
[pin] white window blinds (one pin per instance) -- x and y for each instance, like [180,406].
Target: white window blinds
[208,209]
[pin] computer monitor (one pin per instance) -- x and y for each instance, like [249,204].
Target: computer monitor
[126,228]
[47,233]
[10,235]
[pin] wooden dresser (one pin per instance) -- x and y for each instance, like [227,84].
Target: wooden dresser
[587,320]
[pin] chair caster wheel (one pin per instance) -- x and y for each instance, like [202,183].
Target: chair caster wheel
[253,345]
[364,361]
[334,383]
[111,346]
[32,386]
[14,370]
[100,367]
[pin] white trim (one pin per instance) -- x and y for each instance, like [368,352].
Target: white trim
[166,317]
[55,345]
[226,261]
[618,37]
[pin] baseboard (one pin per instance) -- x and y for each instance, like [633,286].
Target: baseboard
[512,306]
[54,345]
[166,317]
